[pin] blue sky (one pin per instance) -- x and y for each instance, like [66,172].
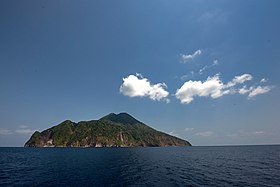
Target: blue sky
[206,71]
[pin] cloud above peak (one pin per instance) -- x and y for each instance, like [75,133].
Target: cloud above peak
[187,57]
[138,86]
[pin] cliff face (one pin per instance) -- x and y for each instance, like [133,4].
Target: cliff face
[113,130]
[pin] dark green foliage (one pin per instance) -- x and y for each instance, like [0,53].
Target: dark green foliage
[122,118]
[113,130]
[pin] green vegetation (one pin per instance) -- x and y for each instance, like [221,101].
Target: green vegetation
[113,130]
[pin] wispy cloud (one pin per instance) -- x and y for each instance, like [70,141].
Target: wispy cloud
[205,134]
[215,63]
[259,132]
[241,133]
[184,77]
[5,132]
[187,57]
[264,80]
[22,129]
[23,126]
[138,86]
[25,131]
[189,75]
[188,129]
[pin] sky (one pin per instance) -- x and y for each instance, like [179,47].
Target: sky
[205,71]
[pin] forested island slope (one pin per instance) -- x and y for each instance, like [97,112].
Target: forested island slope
[113,130]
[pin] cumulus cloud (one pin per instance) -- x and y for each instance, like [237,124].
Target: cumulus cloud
[212,87]
[253,91]
[138,86]
[239,80]
[187,57]
[205,134]
[259,90]
[244,90]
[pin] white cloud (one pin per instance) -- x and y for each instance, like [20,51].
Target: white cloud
[202,69]
[24,129]
[239,80]
[259,90]
[264,80]
[188,57]
[5,132]
[215,63]
[138,86]
[212,87]
[205,134]
[188,129]
[254,91]
[244,90]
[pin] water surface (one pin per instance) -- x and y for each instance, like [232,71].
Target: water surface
[154,166]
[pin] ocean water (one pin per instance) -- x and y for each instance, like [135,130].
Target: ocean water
[153,166]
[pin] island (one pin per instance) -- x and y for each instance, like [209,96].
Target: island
[113,130]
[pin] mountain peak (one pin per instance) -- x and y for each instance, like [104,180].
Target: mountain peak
[122,117]
[113,130]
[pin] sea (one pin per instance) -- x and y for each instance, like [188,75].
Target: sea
[150,166]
